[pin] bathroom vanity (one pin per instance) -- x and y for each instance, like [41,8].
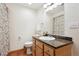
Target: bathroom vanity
[61,46]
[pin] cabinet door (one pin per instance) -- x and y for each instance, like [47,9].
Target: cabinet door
[45,54]
[33,48]
[39,43]
[48,49]
[34,41]
[63,51]
[39,51]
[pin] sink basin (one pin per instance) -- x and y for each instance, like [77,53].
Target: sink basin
[46,38]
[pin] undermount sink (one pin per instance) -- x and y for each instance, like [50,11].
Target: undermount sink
[46,38]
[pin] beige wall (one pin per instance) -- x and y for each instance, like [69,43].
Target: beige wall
[22,21]
[72,24]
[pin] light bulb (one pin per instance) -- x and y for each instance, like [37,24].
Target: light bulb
[29,3]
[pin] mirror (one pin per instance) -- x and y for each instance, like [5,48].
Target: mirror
[57,15]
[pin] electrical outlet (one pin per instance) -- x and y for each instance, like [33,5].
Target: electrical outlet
[74,26]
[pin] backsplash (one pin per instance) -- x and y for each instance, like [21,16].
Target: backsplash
[4,37]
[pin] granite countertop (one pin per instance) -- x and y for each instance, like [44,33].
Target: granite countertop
[58,42]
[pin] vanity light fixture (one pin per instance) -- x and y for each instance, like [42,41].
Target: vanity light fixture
[30,3]
[50,6]
[46,5]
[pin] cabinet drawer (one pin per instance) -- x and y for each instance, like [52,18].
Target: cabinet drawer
[39,43]
[48,49]
[39,51]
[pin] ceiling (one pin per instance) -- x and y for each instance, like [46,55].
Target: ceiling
[35,6]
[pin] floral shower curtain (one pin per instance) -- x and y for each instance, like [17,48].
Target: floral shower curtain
[4,37]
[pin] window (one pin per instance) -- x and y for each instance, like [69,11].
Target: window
[58,25]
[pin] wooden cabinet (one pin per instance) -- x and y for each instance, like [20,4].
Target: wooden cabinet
[37,48]
[40,48]
[63,51]
[45,54]
[34,47]
[39,43]
[48,49]
[39,51]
